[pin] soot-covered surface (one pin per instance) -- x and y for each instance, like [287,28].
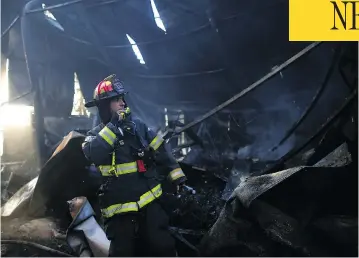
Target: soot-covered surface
[302,211]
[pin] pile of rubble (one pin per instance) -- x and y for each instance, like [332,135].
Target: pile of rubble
[296,211]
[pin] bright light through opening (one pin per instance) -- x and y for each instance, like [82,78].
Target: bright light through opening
[4,86]
[157,16]
[135,49]
[78,106]
[48,13]
[12,115]
[15,115]
[51,18]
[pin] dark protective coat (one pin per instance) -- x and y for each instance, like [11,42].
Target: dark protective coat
[106,147]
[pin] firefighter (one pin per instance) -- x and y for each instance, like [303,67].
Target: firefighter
[125,151]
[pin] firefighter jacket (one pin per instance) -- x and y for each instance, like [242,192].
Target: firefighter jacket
[124,188]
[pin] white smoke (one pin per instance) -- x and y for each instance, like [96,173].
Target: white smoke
[270,127]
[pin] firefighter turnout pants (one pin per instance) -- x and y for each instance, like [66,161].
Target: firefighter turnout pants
[143,233]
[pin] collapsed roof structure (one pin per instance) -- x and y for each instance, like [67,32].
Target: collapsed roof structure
[180,60]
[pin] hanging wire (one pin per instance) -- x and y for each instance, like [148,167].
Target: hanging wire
[251,87]
[167,38]
[51,7]
[172,76]
[103,3]
[315,99]
[69,3]
[55,6]
[10,26]
[179,5]
[352,97]
[195,30]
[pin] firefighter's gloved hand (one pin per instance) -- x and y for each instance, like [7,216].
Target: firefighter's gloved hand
[149,157]
[179,188]
[182,188]
[117,117]
[121,115]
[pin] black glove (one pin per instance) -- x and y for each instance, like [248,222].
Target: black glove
[179,188]
[149,156]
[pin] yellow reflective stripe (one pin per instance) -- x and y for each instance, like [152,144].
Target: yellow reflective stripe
[121,169]
[108,135]
[113,158]
[119,208]
[126,168]
[145,199]
[156,142]
[148,197]
[105,170]
[176,173]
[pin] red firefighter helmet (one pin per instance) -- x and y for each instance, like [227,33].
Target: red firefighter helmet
[108,88]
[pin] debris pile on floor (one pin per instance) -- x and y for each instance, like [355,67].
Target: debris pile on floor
[243,207]
[301,211]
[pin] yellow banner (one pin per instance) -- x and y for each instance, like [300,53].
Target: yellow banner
[323,20]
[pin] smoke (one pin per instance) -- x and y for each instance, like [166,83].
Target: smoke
[267,129]
[270,127]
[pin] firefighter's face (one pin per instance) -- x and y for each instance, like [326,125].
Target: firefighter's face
[118,104]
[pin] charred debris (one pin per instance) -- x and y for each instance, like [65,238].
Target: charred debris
[243,206]
[275,169]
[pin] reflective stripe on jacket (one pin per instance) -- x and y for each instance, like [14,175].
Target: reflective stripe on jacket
[144,199]
[125,189]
